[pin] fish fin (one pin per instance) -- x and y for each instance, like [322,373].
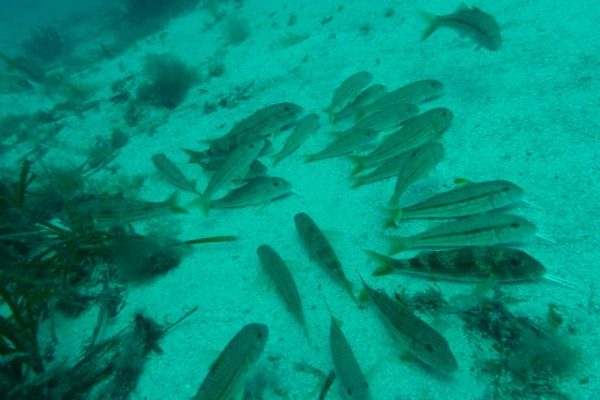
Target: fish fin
[460,181]
[276,159]
[384,267]
[308,158]
[431,21]
[358,163]
[173,201]
[211,239]
[397,244]
[561,281]
[358,182]
[394,215]
[203,203]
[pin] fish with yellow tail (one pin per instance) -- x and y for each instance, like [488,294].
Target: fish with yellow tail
[477,230]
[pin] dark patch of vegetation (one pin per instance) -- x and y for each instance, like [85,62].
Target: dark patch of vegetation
[48,267]
[531,358]
[154,11]
[168,81]
[237,30]
[46,44]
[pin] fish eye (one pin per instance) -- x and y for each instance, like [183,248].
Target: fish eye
[259,335]
[275,184]
[349,391]
[515,225]
[505,189]
[429,347]
[515,262]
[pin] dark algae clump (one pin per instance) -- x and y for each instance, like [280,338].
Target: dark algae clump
[168,81]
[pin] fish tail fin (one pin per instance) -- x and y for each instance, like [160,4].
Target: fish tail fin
[275,159]
[173,203]
[204,203]
[397,244]
[431,21]
[359,164]
[384,267]
[358,181]
[310,158]
[393,216]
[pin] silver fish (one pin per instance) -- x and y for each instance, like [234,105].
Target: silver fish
[320,250]
[235,166]
[346,142]
[254,192]
[306,127]
[279,272]
[469,199]
[415,335]
[477,230]
[225,378]
[173,174]
[415,132]
[348,91]
[418,164]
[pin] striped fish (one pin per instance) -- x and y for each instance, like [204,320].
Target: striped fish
[225,378]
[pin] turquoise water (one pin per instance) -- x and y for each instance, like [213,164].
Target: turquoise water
[90,94]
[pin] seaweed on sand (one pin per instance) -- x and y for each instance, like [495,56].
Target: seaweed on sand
[107,370]
[531,358]
[45,43]
[168,80]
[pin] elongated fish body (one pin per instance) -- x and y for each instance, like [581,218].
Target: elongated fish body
[481,27]
[470,199]
[235,166]
[173,174]
[387,169]
[354,140]
[306,127]
[319,248]
[387,118]
[348,91]
[254,192]
[415,335]
[417,165]
[351,376]
[119,209]
[415,132]
[276,268]
[364,98]
[477,230]
[212,161]
[259,125]
[225,378]
[414,93]
[467,264]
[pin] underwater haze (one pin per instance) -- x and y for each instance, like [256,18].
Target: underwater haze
[262,200]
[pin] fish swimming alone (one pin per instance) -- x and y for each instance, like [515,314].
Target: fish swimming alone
[351,377]
[480,26]
[279,272]
[320,250]
[415,335]
[467,264]
[225,378]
